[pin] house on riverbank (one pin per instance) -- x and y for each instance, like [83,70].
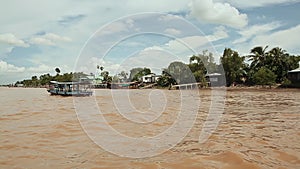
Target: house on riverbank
[151,78]
[294,76]
[215,79]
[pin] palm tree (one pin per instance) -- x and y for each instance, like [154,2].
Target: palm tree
[57,70]
[278,55]
[258,57]
[278,63]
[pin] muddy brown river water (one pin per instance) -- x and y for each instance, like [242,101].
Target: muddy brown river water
[260,128]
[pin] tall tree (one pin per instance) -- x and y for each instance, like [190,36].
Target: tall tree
[204,62]
[105,75]
[120,77]
[277,63]
[233,65]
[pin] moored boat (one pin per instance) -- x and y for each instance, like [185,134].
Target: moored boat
[70,88]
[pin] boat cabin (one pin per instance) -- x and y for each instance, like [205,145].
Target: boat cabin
[70,88]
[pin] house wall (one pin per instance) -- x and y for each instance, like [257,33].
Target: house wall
[294,76]
[150,79]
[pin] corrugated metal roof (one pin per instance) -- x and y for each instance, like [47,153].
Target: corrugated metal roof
[295,70]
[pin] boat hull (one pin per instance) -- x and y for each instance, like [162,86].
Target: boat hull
[72,93]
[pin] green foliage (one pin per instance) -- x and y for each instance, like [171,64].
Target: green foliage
[204,62]
[106,77]
[34,81]
[286,82]
[120,77]
[166,80]
[137,73]
[260,68]
[264,76]
[233,65]
[200,77]
[46,78]
[276,60]
[75,76]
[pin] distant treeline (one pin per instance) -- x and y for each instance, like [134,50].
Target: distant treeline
[261,67]
[45,79]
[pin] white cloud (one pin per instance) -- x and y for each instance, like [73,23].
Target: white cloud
[255,30]
[9,68]
[287,39]
[172,31]
[118,27]
[54,37]
[11,39]
[49,39]
[189,43]
[153,58]
[91,64]
[156,5]
[219,33]
[258,3]
[41,41]
[168,17]
[181,47]
[218,13]
[40,69]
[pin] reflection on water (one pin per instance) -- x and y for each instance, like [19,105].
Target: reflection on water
[259,129]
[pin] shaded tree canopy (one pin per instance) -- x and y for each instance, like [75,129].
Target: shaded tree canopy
[137,73]
[234,66]
[264,76]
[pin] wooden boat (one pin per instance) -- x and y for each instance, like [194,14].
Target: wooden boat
[70,88]
[125,85]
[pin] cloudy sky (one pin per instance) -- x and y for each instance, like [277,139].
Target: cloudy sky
[38,36]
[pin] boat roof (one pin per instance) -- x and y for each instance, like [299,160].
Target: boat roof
[124,83]
[294,71]
[68,83]
[213,74]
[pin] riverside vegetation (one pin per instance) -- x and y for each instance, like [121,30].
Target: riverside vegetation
[261,67]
